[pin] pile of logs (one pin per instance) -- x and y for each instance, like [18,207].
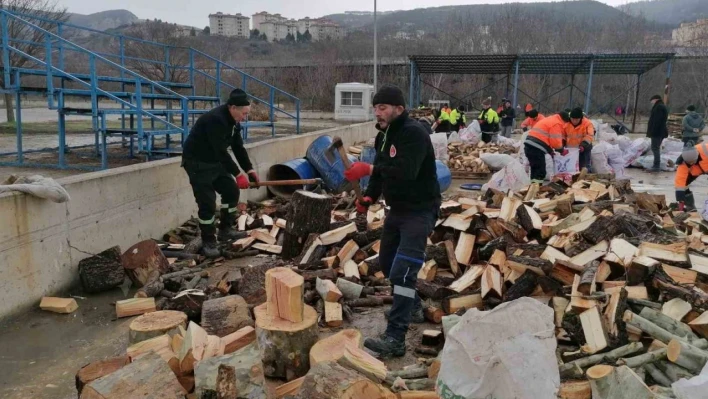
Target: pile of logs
[675,125]
[625,275]
[466,157]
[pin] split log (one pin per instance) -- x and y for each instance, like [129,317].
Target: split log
[451,257]
[351,270]
[428,271]
[333,314]
[523,286]
[673,252]
[249,379]
[491,282]
[349,290]
[577,301]
[189,302]
[700,324]
[102,272]
[465,246]
[332,348]
[439,254]
[134,307]
[337,235]
[144,262]
[468,279]
[529,218]
[263,237]
[226,315]
[329,380]
[284,294]
[272,249]
[587,279]
[98,369]
[608,382]
[595,335]
[289,389]
[148,376]
[252,284]
[311,276]
[565,271]
[433,314]
[610,356]
[237,340]
[155,324]
[597,251]
[453,304]
[327,290]
[151,289]
[284,345]
[433,290]
[159,345]
[58,305]
[417,395]
[194,343]
[430,338]
[687,356]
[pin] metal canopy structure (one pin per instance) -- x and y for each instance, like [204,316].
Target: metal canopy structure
[534,64]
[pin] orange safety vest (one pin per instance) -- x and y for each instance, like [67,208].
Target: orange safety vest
[531,122]
[575,135]
[684,171]
[550,131]
[529,107]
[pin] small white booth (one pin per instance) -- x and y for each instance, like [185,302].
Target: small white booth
[353,102]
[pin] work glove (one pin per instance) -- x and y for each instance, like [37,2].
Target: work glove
[358,170]
[695,130]
[362,206]
[253,176]
[525,129]
[563,152]
[242,182]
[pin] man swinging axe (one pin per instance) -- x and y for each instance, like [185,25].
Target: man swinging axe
[211,169]
[404,172]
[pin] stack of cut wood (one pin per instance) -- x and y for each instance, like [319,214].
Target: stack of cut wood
[466,157]
[675,125]
[620,269]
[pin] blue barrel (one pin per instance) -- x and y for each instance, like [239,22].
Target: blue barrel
[368,154]
[444,176]
[331,170]
[294,169]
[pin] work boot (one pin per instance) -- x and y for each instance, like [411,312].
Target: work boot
[226,227]
[209,248]
[386,346]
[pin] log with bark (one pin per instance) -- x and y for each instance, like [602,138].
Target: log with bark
[102,272]
[330,380]
[223,316]
[285,346]
[155,324]
[144,262]
[252,284]
[98,369]
[248,376]
[610,356]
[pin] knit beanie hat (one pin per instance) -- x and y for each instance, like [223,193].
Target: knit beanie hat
[238,98]
[576,113]
[390,95]
[691,108]
[655,97]
[689,155]
[487,102]
[533,113]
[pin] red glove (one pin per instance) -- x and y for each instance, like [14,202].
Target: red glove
[361,207]
[253,176]
[242,182]
[581,149]
[564,152]
[358,170]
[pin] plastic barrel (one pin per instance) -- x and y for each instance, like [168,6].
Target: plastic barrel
[368,153]
[294,169]
[332,172]
[444,176]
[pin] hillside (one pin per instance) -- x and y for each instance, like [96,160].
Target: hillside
[671,12]
[103,20]
[428,19]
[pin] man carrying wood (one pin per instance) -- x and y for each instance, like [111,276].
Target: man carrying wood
[546,137]
[579,134]
[404,172]
[692,163]
[211,169]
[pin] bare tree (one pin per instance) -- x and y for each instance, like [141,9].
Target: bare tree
[25,38]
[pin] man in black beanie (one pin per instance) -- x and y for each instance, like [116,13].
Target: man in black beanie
[211,169]
[404,172]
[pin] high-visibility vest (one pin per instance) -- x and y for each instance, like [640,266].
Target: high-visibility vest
[684,171]
[550,131]
[575,135]
[529,107]
[444,115]
[454,116]
[531,122]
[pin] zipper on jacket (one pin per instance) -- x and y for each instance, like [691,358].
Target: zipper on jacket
[384,139]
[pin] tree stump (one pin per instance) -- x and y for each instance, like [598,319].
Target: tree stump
[285,346]
[329,380]
[102,272]
[308,213]
[154,324]
[148,376]
[96,370]
[248,371]
[144,262]
[223,316]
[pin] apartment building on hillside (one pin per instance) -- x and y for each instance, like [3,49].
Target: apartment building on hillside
[236,25]
[277,27]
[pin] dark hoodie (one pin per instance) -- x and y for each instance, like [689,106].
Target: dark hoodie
[692,121]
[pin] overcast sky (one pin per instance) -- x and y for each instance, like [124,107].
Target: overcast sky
[195,13]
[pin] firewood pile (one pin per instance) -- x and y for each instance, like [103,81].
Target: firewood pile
[625,275]
[675,125]
[466,157]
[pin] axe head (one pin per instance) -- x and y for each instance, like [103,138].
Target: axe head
[331,153]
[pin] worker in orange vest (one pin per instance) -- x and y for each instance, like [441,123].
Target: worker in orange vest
[532,118]
[579,134]
[692,163]
[546,137]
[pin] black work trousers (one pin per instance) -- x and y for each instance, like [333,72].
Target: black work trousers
[656,149]
[584,157]
[403,242]
[537,161]
[207,180]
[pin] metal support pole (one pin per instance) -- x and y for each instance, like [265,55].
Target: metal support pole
[5,50]
[636,103]
[139,114]
[94,98]
[272,111]
[589,88]
[50,75]
[418,88]
[18,126]
[104,145]
[572,86]
[376,55]
[411,89]
[60,31]
[218,80]
[167,64]
[191,71]
[297,113]
[516,82]
[667,87]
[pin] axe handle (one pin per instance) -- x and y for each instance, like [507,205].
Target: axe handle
[347,165]
[286,183]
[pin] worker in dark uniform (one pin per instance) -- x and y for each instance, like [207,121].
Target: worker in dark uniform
[404,172]
[212,170]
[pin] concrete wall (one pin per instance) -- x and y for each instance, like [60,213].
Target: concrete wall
[42,242]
